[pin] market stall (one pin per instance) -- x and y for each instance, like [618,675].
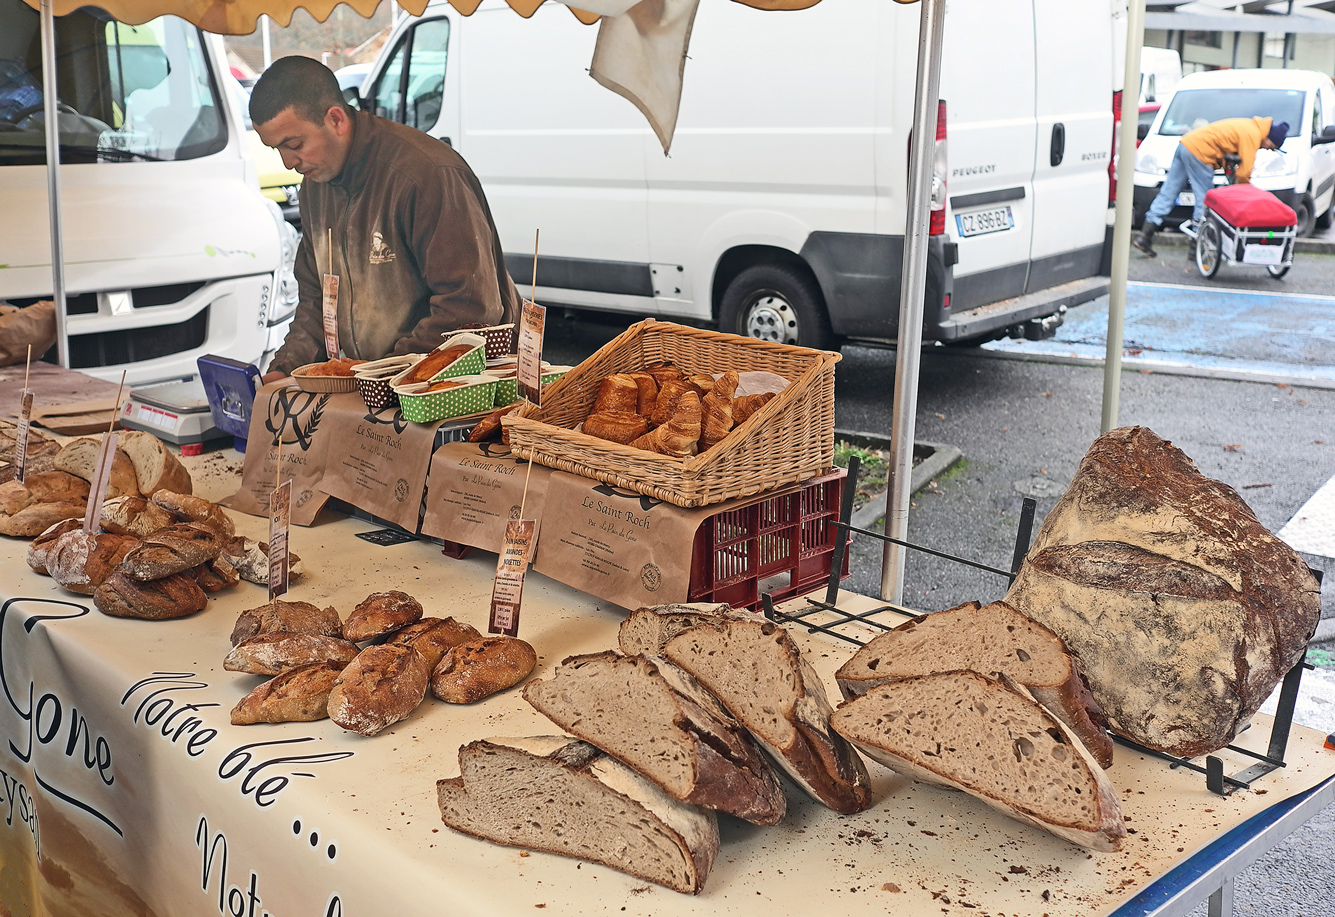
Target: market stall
[122,769]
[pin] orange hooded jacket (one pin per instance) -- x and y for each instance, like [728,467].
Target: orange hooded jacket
[1242,136]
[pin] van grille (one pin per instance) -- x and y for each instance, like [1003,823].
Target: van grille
[111,348]
[168,295]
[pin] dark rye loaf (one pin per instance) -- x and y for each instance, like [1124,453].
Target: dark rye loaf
[1183,610]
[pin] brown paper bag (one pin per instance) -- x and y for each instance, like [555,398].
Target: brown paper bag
[475,489]
[378,462]
[298,418]
[35,325]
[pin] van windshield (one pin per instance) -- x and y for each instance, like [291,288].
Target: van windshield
[1193,108]
[126,93]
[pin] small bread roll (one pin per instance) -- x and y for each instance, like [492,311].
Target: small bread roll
[616,426]
[619,392]
[381,613]
[480,668]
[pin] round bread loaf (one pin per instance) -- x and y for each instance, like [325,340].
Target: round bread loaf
[188,508]
[381,613]
[81,561]
[134,515]
[172,550]
[380,687]
[39,551]
[170,597]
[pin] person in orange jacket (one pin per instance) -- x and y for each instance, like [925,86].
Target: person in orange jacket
[1198,154]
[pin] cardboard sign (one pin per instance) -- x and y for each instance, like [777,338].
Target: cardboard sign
[280,520]
[21,436]
[329,309]
[532,319]
[97,489]
[476,488]
[508,590]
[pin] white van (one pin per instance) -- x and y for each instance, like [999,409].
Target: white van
[170,250]
[1160,72]
[1301,173]
[780,212]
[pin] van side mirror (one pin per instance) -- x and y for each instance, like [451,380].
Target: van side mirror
[1142,131]
[353,98]
[1327,134]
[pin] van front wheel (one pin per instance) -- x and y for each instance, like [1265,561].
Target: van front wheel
[776,303]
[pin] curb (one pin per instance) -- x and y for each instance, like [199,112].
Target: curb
[936,458]
[1174,239]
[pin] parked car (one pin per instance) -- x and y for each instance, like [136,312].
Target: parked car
[780,212]
[1146,120]
[170,250]
[1301,173]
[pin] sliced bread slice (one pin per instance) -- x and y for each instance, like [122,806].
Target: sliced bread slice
[756,670]
[990,640]
[562,796]
[990,738]
[79,458]
[657,719]
[646,630]
[155,466]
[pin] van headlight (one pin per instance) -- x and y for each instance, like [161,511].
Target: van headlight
[1148,163]
[284,278]
[1274,162]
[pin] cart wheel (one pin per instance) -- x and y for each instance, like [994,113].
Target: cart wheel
[1207,249]
[1277,270]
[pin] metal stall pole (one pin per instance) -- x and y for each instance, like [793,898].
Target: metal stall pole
[911,292]
[1126,189]
[49,97]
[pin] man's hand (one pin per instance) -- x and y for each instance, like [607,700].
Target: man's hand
[272,377]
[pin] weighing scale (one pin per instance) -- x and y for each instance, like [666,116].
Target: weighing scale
[212,406]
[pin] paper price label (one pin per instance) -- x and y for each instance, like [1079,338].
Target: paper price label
[21,437]
[97,489]
[280,519]
[329,309]
[532,318]
[508,590]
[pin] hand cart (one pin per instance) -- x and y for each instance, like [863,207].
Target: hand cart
[1247,225]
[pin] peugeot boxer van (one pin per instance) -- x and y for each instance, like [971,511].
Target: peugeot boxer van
[1301,173]
[170,250]
[780,210]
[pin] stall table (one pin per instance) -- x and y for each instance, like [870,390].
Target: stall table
[127,791]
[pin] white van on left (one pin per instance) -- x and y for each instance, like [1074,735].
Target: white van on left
[170,250]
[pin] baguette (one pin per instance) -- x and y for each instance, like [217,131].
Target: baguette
[991,739]
[560,796]
[658,720]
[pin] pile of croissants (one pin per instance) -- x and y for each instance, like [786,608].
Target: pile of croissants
[665,410]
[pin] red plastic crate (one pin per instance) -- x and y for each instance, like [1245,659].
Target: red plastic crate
[781,546]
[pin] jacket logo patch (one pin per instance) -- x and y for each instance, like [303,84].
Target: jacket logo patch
[380,252]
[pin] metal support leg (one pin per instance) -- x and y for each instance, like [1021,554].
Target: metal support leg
[1221,900]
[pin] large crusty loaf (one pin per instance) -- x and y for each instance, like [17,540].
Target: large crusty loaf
[653,717]
[172,550]
[297,696]
[562,796]
[647,630]
[39,549]
[30,507]
[81,561]
[79,458]
[1183,610]
[277,652]
[188,508]
[760,675]
[380,687]
[991,739]
[292,617]
[434,637]
[173,596]
[381,613]
[990,640]
[133,515]
[478,668]
[155,466]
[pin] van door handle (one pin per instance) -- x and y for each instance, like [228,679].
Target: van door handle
[1058,149]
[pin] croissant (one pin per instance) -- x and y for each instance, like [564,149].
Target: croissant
[670,394]
[717,410]
[648,392]
[679,437]
[616,426]
[746,405]
[618,392]
[703,382]
[664,372]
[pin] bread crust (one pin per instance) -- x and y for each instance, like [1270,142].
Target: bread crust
[134,515]
[39,551]
[290,617]
[479,668]
[172,550]
[380,687]
[277,652]
[188,508]
[299,695]
[381,613]
[81,561]
[434,637]
[175,596]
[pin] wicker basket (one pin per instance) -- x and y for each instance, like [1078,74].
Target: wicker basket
[788,440]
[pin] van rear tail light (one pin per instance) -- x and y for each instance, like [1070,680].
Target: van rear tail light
[1116,138]
[937,224]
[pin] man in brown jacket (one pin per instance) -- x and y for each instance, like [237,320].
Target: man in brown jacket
[396,214]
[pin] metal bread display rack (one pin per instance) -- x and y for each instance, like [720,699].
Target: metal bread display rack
[831,616]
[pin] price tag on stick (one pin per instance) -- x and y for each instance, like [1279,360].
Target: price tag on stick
[532,318]
[21,437]
[280,518]
[329,309]
[97,488]
[508,590]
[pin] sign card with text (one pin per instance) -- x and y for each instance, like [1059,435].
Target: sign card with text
[508,590]
[280,520]
[21,437]
[329,310]
[532,319]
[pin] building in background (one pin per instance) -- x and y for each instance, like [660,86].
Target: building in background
[1219,34]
